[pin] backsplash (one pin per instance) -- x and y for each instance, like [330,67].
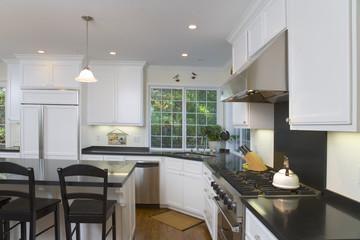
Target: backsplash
[306,150]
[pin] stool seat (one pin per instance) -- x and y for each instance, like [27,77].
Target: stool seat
[90,211]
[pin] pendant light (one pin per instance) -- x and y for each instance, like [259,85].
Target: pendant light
[86,75]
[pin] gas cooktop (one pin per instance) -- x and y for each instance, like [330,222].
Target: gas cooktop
[252,183]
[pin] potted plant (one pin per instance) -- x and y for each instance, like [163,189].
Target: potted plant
[212,133]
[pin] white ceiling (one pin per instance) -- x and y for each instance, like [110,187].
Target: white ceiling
[138,30]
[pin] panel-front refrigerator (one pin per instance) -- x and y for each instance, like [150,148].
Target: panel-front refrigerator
[49,125]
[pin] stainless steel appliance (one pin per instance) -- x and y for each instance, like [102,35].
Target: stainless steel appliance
[231,186]
[147,184]
[263,78]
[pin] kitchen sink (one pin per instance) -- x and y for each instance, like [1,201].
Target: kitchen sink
[194,155]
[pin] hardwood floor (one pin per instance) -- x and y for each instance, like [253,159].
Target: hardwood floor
[150,229]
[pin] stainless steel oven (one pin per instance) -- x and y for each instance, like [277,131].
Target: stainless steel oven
[228,228]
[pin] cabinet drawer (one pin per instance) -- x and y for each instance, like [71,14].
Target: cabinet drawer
[193,167]
[175,164]
[9,155]
[254,229]
[92,157]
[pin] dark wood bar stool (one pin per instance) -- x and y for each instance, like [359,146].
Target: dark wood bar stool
[26,207]
[4,224]
[86,207]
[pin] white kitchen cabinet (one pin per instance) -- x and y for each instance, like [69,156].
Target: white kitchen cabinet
[13,91]
[118,97]
[253,115]
[210,209]
[94,157]
[49,124]
[60,131]
[9,155]
[266,25]
[323,65]
[255,230]
[183,185]
[239,52]
[49,72]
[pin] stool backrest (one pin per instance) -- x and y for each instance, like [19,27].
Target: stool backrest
[87,171]
[16,171]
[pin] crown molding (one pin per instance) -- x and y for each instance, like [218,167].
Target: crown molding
[254,9]
[49,57]
[116,63]
[183,68]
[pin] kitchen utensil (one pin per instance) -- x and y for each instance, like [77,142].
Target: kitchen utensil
[224,135]
[285,178]
[253,161]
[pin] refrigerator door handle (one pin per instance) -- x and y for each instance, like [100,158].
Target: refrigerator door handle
[41,132]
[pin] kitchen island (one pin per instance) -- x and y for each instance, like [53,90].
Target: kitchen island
[121,188]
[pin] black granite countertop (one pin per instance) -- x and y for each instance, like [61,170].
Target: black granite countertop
[307,217]
[45,171]
[9,149]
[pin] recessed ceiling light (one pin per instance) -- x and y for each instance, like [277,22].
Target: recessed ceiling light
[112,53]
[184,54]
[192,26]
[41,51]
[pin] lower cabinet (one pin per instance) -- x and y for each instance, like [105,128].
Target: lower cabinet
[9,155]
[183,185]
[210,209]
[255,230]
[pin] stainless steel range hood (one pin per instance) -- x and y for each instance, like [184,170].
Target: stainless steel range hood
[264,79]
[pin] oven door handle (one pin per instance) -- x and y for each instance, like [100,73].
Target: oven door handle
[234,227]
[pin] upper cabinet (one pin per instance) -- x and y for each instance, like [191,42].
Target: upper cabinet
[253,115]
[49,72]
[12,91]
[323,65]
[239,52]
[266,25]
[118,97]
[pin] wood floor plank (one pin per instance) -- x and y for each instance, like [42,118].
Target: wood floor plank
[150,229]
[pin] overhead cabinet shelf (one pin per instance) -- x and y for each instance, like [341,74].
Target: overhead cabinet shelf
[118,97]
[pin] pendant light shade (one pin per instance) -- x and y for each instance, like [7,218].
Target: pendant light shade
[86,75]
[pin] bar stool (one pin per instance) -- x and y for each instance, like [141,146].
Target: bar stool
[27,208]
[4,224]
[86,207]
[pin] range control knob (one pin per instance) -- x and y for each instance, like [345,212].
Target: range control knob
[218,191]
[231,206]
[212,183]
[221,194]
[227,200]
[215,186]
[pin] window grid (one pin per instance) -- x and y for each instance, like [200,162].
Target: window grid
[178,116]
[2,115]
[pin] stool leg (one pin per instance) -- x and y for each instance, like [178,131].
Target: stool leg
[23,230]
[6,228]
[57,222]
[77,231]
[114,224]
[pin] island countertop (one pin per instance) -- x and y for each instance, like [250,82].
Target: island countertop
[45,171]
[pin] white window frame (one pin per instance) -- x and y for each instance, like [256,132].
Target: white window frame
[219,114]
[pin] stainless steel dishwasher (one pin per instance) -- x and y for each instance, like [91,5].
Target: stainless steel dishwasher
[147,184]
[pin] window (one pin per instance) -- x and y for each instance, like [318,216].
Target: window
[242,137]
[178,116]
[2,115]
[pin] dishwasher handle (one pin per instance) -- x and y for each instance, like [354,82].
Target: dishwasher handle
[143,164]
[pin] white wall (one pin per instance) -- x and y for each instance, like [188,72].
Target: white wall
[161,76]
[343,164]
[262,143]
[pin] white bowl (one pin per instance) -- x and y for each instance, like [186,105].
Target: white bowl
[280,180]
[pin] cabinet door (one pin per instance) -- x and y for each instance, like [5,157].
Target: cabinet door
[13,93]
[320,64]
[64,74]
[193,193]
[274,19]
[255,35]
[35,74]
[240,114]
[130,96]
[101,96]
[239,52]
[61,132]
[29,131]
[173,188]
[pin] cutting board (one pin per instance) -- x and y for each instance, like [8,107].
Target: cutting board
[254,162]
